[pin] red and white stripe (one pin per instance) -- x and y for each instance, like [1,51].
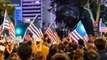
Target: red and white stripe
[103,29]
[41,33]
[57,37]
[52,35]
[11,30]
[86,38]
[6,24]
[10,27]
[75,36]
[33,29]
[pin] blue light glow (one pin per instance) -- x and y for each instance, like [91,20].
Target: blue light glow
[18,31]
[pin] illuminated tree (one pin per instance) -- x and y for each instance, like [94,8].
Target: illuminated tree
[71,11]
[5,5]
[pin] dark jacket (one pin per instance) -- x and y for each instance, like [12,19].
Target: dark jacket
[103,54]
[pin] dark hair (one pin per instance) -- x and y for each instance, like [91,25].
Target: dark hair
[81,42]
[38,55]
[24,51]
[48,40]
[53,49]
[65,43]
[74,46]
[29,43]
[13,56]
[60,56]
[100,43]
[91,55]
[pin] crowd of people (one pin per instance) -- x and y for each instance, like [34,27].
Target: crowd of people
[44,49]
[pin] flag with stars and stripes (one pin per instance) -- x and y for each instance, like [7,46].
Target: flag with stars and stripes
[8,25]
[102,26]
[34,29]
[79,33]
[51,32]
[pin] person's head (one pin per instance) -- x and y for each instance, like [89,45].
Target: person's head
[38,56]
[13,56]
[53,49]
[48,40]
[29,43]
[90,45]
[60,56]
[91,55]
[100,43]
[61,48]
[65,43]
[81,42]
[78,54]
[24,51]
[74,46]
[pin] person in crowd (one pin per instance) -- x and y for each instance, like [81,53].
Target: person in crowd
[49,42]
[38,45]
[91,37]
[2,55]
[100,45]
[73,45]
[60,56]
[81,42]
[90,45]
[44,49]
[15,49]
[91,55]
[78,54]
[2,49]
[38,56]
[25,52]
[9,47]
[52,50]
[13,56]
[62,48]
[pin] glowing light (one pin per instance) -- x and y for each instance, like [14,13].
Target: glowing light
[37,2]
[18,31]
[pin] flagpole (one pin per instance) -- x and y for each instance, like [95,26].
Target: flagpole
[29,25]
[50,25]
[101,34]
[4,18]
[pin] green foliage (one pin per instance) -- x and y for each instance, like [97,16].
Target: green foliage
[6,5]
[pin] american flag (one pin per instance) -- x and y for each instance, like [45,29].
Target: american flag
[8,25]
[51,32]
[34,29]
[79,33]
[102,26]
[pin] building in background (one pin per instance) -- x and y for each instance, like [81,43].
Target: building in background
[31,8]
[18,15]
[28,9]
